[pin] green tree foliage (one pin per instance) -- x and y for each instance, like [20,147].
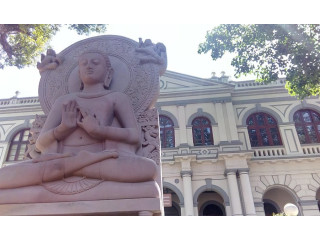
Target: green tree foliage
[270,51]
[20,44]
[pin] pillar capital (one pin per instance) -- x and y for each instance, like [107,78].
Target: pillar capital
[186,173]
[230,171]
[243,170]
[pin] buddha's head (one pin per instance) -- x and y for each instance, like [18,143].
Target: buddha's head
[94,68]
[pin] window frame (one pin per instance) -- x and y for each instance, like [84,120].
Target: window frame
[19,143]
[163,129]
[304,125]
[267,126]
[202,127]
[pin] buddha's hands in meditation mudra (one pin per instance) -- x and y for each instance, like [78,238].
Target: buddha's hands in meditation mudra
[88,122]
[73,116]
[70,115]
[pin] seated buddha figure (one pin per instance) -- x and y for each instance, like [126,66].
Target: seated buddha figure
[92,133]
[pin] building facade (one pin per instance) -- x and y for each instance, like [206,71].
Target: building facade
[227,148]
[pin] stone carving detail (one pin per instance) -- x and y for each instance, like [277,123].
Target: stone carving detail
[72,185]
[150,143]
[49,62]
[32,151]
[152,53]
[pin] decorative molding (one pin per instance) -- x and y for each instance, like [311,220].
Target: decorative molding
[193,101]
[200,113]
[171,116]
[257,109]
[210,187]
[16,129]
[175,190]
[239,110]
[264,100]
[308,202]
[282,108]
[303,105]
[258,204]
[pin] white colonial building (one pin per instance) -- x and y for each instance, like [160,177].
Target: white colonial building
[228,148]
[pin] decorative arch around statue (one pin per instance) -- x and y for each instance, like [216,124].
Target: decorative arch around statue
[134,74]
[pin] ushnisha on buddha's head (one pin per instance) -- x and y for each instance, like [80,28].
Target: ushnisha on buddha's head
[95,68]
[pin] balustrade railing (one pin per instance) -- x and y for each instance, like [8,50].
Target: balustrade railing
[268,152]
[18,101]
[311,149]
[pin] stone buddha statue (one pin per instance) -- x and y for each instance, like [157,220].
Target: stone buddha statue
[90,147]
[92,134]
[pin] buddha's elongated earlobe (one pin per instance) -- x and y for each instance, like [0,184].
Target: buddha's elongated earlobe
[108,78]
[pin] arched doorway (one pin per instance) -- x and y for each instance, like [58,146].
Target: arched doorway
[210,203]
[275,198]
[174,209]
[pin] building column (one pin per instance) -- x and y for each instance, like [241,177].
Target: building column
[187,192]
[234,192]
[308,208]
[232,122]
[246,192]
[182,124]
[221,123]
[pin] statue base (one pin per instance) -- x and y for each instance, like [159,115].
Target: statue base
[120,207]
[101,198]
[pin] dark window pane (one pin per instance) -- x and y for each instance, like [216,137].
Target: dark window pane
[259,118]
[297,118]
[301,135]
[250,121]
[306,117]
[275,136]
[205,122]
[253,137]
[264,137]
[271,120]
[316,116]
[312,134]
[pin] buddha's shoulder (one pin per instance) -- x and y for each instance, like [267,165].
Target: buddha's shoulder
[65,98]
[117,95]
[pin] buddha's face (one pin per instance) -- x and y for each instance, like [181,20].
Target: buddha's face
[93,68]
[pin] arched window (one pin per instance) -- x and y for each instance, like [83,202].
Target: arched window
[166,132]
[18,145]
[307,125]
[202,131]
[263,130]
